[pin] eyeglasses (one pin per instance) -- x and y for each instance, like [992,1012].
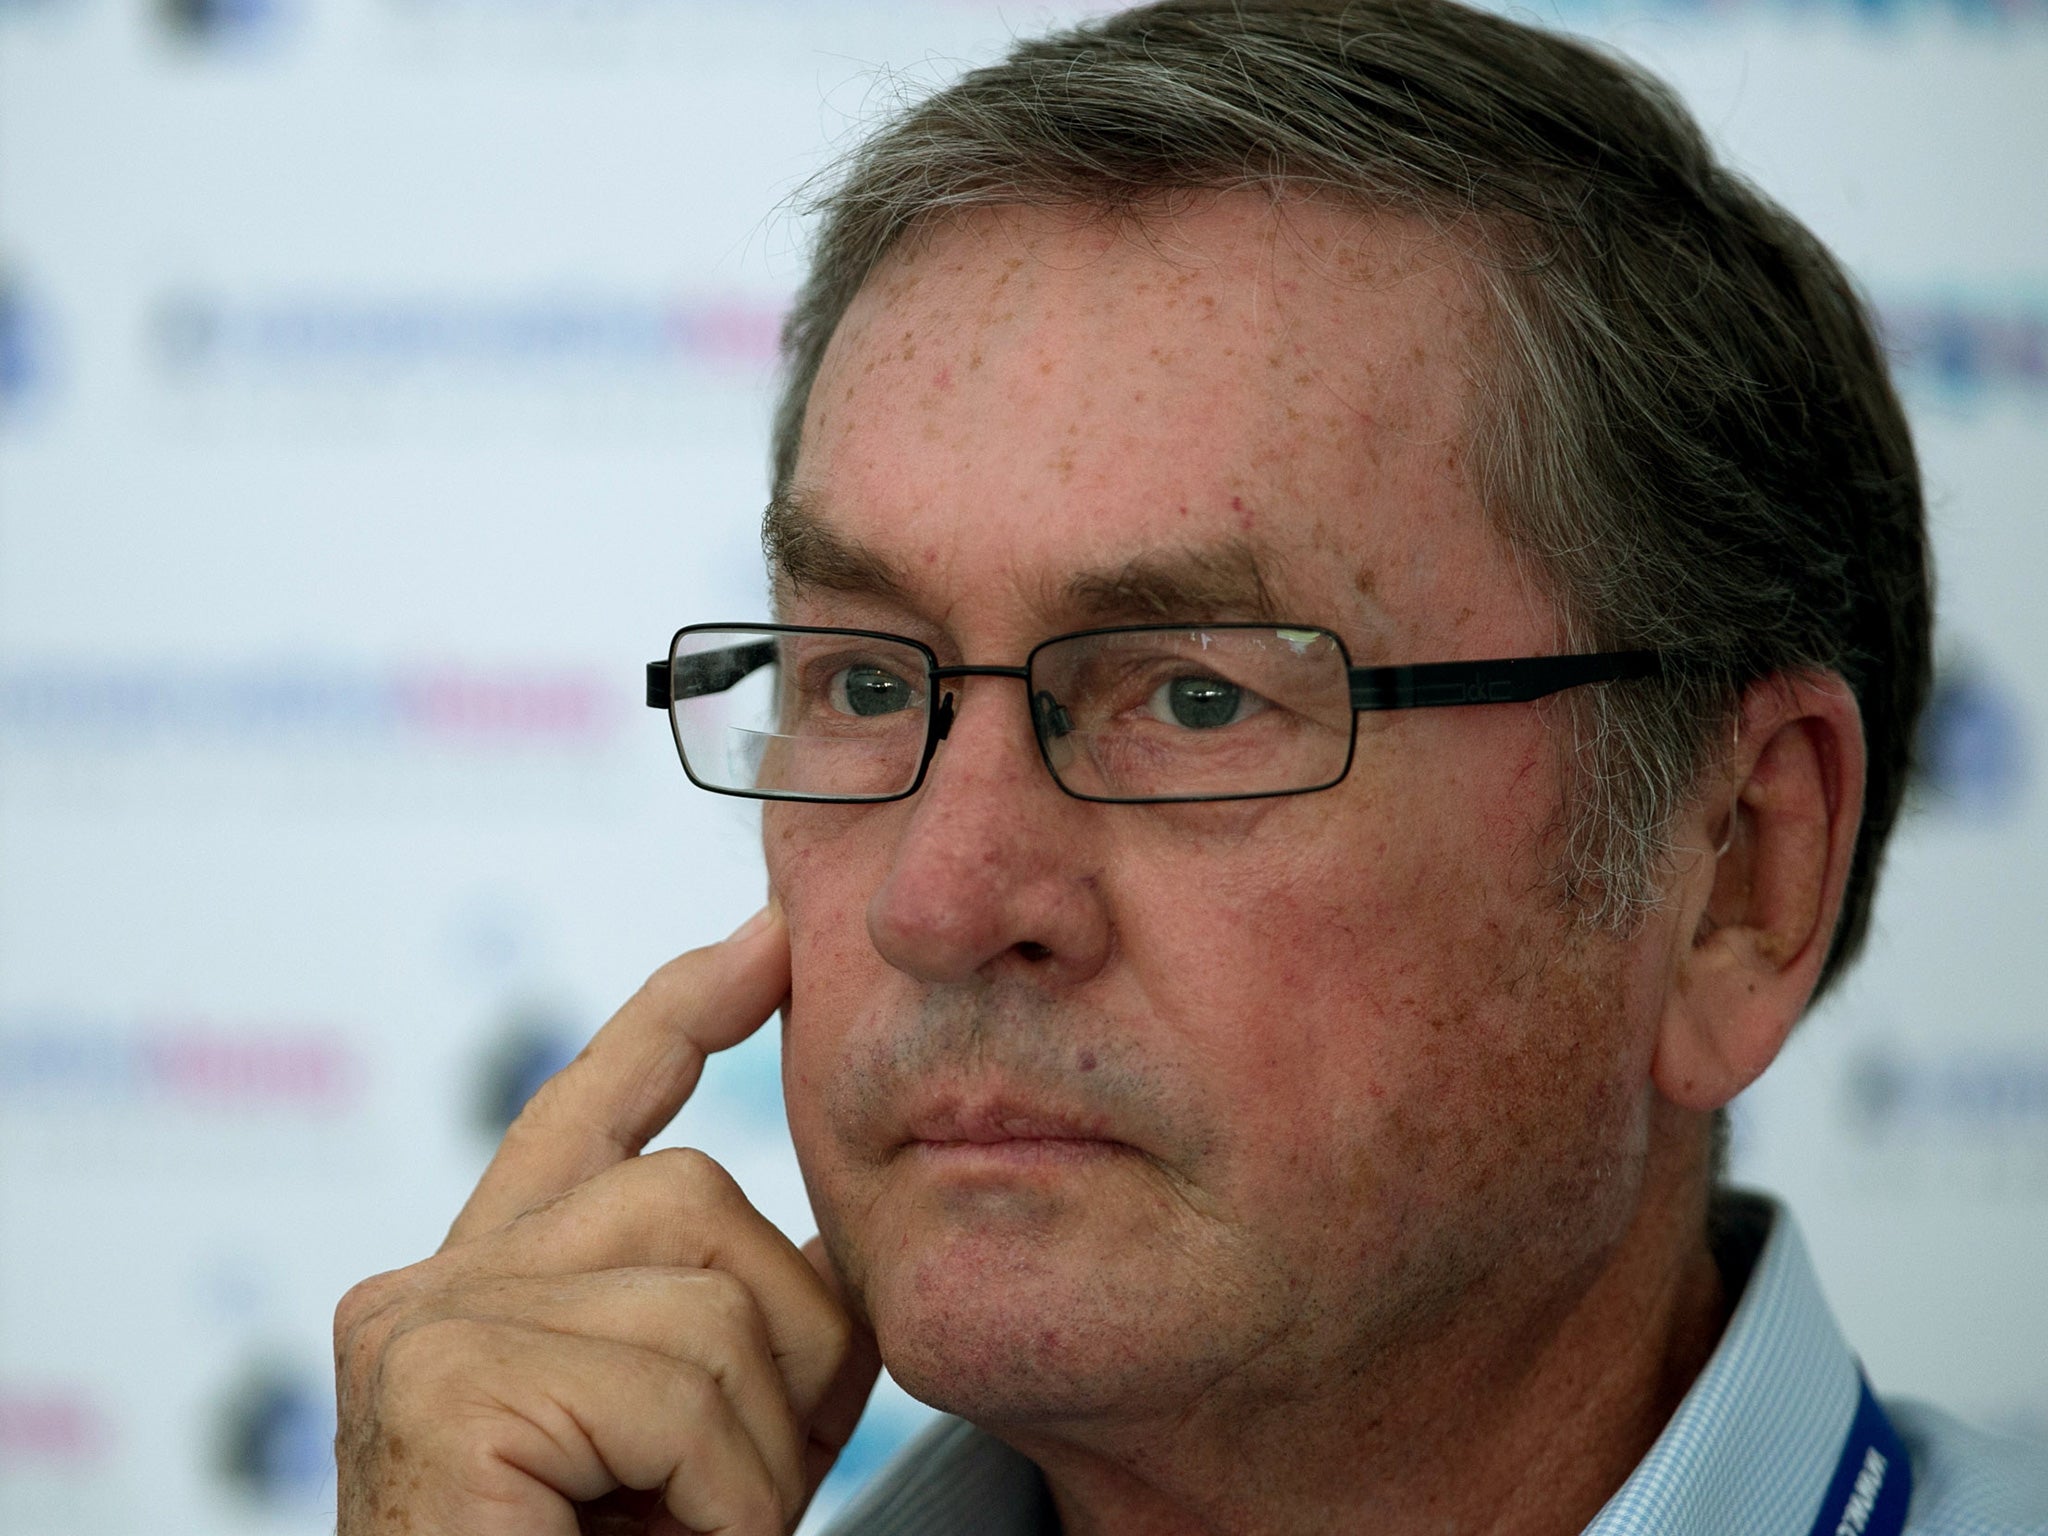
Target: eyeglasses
[1135,715]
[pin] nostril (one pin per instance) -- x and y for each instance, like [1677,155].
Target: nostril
[1031,949]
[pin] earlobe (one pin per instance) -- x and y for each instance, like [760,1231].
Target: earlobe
[1756,914]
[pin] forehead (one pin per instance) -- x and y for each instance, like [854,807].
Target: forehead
[1023,403]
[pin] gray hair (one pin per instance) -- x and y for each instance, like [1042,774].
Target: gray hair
[1685,426]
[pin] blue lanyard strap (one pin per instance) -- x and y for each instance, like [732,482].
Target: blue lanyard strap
[1873,1482]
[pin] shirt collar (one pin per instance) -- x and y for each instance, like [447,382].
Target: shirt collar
[1754,1443]
[952,1480]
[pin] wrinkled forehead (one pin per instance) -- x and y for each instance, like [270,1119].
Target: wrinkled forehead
[1245,403]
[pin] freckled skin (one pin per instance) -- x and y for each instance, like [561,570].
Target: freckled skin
[1366,1061]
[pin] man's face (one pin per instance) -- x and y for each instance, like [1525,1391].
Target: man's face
[1108,1110]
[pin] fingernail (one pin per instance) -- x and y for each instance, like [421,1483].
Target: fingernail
[753,925]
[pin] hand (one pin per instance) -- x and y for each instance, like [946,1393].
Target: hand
[606,1340]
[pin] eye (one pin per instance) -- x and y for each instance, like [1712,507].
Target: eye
[1202,703]
[866,690]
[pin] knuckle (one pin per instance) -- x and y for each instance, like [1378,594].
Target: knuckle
[474,1466]
[674,978]
[419,1359]
[694,1391]
[694,1177]
[669,985]
[361,1302]
[542,1109]
[364,1322]
[723,1301]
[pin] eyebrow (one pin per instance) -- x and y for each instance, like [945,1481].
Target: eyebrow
[1224,579]
[802,551]
[1229,579]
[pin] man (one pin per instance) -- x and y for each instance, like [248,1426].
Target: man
[1350,613]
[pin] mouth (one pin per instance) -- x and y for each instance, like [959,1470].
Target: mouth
[1006,1132]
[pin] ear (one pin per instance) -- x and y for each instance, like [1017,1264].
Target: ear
[1755,911]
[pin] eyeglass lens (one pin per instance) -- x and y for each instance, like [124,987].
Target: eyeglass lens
[1140,714]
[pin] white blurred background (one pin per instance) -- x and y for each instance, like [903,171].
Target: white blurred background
[382,381]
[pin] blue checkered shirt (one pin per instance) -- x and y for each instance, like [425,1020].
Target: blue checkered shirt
[1749,1452]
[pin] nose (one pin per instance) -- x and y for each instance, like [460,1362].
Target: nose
[995,868]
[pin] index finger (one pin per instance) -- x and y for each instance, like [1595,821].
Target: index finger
[635,1073]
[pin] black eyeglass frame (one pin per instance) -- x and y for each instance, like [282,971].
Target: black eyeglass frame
[1423,685]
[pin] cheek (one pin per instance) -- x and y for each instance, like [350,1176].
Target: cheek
[1401,883]
[1397,972]
[819,865]
[1402,1064]
[815,869]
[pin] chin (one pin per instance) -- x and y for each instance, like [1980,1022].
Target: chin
[1010,1335]
[1017,1356]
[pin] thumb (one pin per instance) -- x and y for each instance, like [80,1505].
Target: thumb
[833,1423]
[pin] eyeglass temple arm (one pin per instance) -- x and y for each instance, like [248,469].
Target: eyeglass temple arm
[691,677]
[1434,685]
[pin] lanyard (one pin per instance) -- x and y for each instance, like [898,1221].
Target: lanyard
[1867,1495]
